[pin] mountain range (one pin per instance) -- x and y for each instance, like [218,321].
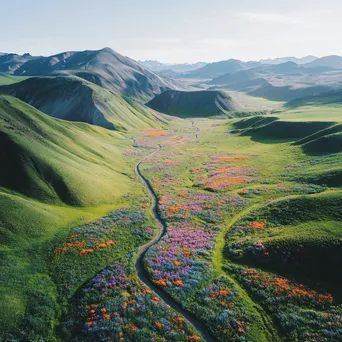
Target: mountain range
[105,88]
[104,67]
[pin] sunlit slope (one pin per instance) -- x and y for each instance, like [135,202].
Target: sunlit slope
[57,161]
[74,99]
[10,79]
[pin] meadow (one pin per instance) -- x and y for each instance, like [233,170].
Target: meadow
[248,210]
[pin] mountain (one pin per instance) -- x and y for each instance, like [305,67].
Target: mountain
[217,69]
[105,68]
[193,104]
[10,62]
[296,60]
[328,61]
[74,99]
[176,68]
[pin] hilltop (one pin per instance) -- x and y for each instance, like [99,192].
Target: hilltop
[104,67]
[193,104]
[74,99]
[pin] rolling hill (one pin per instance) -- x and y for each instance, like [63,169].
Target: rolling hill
[55,161]
[327,61]
[105,68]
[327,98]
[193,104]
[74,99]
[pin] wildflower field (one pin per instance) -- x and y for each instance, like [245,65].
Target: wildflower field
[245,237]
[251,210]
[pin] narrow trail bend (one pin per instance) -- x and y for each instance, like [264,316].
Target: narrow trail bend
[142,273]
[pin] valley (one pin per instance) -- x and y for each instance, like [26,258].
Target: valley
[136,207]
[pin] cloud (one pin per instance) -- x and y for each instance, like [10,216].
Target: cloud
[270,18]
[304,18]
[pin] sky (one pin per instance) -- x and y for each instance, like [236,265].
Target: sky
[174,31]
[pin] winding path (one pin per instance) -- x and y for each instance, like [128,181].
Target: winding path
[141,272]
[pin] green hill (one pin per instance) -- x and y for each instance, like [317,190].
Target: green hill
[54,175]
[326,98]
[74,99]
[193,104]
[56,161]
[10,79]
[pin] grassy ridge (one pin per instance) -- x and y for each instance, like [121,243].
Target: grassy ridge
[74,99]
[57,161]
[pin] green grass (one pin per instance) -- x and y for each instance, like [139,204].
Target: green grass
[61,162]
[61,175]
[74,99]
[58,175]
[6,79]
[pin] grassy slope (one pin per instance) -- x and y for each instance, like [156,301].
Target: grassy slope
[56,159]
[51,164]
[193,104]
[74,99]
[275,156]
[6,79]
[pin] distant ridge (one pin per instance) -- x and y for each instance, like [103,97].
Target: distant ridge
[327,61]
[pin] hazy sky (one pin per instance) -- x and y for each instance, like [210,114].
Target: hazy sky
[174,30]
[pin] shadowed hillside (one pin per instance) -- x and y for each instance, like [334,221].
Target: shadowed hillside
[105,68]
[55,161]
[73,99]
[192,104]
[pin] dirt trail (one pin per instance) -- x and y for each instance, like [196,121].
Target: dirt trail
[141,272]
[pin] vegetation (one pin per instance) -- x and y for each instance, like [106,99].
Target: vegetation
[252,209]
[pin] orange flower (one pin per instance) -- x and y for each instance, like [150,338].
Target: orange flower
[132,328]
[179,319]
[110,243]
[103,310]
[282,284]
[102,245]
[86,251]
[124,306]
[178,283]
[147,291]
[155,299]
[161,282]
[177,263]
[224,292]
[187,253]
[157,133]
[194,338]
[106,317]
[256,225]
[159,325]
